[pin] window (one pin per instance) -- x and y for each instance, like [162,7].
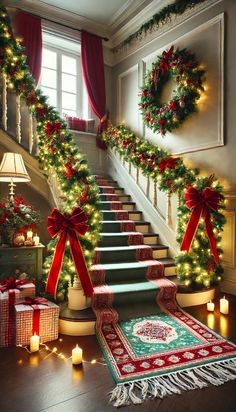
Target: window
[61,79]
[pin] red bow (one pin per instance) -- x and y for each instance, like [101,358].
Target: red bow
[165,163]
[201,203]
[168,54]
[68,226]
[52,128]
[12,283]
[34,301]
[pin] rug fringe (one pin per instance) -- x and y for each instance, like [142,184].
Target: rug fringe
[174,383]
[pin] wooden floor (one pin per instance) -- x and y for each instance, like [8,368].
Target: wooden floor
[46,382]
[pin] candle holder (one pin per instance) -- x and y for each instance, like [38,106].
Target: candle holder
[76,297]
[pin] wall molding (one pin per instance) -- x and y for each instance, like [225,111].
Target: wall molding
[122,75]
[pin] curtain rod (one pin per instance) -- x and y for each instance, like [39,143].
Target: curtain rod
[61,24]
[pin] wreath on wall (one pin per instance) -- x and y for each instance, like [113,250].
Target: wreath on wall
[182,67]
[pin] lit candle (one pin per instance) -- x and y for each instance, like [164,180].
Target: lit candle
[36,240]
[210,306]
[29,234]
[224,306]
[77,355]
[34,343]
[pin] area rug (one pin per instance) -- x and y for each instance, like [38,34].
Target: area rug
[163,353]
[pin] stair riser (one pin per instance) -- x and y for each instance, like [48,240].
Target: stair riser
[128,207]
[150,240]
[170,271]
[160,253]
[135,216]
[107,241]
[114,276]
[115,227]
[114,197]
[120,256]
[128,255]
[124,299]
[116,191]
[144,228]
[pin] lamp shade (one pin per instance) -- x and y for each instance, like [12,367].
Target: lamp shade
[12,168]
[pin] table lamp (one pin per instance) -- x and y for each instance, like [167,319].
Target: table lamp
[12,169]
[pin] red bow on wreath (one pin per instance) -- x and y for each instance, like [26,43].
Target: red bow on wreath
[68,226]
[168,163]
[201,203]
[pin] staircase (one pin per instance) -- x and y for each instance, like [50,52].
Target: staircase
[127,253]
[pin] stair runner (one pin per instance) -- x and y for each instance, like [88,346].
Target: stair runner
[126,259]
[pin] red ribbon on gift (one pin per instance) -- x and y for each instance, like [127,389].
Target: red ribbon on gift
[168,163]
[10,285]
[201,203]
[68,226]
[34,302]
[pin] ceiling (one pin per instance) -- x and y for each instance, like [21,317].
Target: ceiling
[102,11]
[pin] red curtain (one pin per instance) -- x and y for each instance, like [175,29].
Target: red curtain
[93,74]
[29,27]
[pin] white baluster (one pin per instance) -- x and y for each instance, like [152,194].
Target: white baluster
[155,194]
[148,187]
[36,140]
[4,101]
[31,133]
[137,175]
[168,208]
[18,119]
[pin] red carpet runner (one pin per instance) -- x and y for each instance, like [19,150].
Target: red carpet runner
[152,347]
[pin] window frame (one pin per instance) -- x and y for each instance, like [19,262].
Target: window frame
[78,77]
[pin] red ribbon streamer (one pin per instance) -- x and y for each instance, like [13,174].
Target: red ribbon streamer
[34,302]
[201,203]
[68,226]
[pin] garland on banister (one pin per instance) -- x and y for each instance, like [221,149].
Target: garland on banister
[58,153]
[201,203]
[164,16]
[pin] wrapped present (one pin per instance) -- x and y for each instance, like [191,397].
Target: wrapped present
[83,125]
[11,291]
[36,316]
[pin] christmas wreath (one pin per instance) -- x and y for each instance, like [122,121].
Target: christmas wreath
[182,67]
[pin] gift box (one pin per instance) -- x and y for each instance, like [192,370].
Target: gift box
[11,292]
[75,123]
[40,317]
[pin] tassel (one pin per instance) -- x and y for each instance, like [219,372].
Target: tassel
[174,383]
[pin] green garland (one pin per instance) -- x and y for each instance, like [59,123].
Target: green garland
[164,16]
[195,268]
[182,67]
[58,152]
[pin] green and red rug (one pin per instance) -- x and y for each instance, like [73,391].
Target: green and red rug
[152,347]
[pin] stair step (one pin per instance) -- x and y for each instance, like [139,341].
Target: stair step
[122,272]
[135,215]
[117,226]
[134,292]
[130,253]
[116,190]
[128,205]
[169,265]
[114,197]
[115,239]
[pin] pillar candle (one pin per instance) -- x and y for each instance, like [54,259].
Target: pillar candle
[34,343]
[36,240]
[210,306]
[29,234]
[224,306]
[77,355]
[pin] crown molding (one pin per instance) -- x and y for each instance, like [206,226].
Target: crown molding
[59,16]
[157,32]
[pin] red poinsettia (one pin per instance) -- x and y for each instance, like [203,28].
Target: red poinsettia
[168,163]
[52,128]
